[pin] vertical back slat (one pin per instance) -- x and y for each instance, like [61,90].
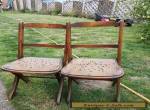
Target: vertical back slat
[120,38]
[20,40]
[68,42]
[65,49]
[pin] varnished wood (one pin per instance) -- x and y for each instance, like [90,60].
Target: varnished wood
[93,24]
[35,66]
[69,90]
[21,47]
[93,68]
[61,84]
[70,46]
[44,45]
[54,26]
[20,40]
[12,92]
[42,25]
[68,42]
[65,60]
[58,77]
[94,46]
[20,74]
[23,78]
[117,90]
[111,78]
[120,38]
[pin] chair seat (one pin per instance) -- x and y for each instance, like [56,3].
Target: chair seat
[34,65]
[93,69]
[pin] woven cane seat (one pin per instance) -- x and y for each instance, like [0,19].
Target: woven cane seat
[93,68]
[34,65]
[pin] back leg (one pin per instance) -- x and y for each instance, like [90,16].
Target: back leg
[69,90]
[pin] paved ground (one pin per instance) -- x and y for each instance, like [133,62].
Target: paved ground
[4,103]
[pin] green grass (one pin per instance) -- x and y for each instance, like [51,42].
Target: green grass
[39,94]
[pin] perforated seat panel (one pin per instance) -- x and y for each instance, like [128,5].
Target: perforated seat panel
[93,68]
[33,65]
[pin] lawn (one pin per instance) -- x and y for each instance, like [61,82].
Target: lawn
[39,94]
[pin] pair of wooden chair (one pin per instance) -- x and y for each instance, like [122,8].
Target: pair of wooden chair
[82,68]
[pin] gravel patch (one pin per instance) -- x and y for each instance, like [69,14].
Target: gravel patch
[95,84]
[4,103]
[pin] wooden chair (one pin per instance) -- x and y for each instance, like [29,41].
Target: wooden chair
[35,66]
[94,69]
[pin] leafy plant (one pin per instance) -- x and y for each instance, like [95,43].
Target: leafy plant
[55,12]
[142,9]
[145,32]
[72,14]
[142,13]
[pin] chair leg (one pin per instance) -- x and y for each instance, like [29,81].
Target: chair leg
[117,99]
[61,84]
[69,90]
[58,77]
[114,83]
[14,88]
[23,78]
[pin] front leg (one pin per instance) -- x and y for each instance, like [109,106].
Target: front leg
[61,84]
[14,88]
[22,77]
[69,90]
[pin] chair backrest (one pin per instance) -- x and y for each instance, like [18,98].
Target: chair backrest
[120,25]
[21,43]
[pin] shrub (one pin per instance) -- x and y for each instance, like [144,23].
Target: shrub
[141,9]
[145,32]
[72,14]
[55,12]
[142,12]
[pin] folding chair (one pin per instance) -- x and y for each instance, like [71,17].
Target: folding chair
[94,68]
[25,67]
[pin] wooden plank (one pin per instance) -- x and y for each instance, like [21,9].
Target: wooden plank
[14,88]
[68,42]
[120,39]
[44,45]
[93,24]
[20,40]
[42,25]
[95,46]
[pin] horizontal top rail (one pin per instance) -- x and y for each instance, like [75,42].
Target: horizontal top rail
[93,24]
[44,25]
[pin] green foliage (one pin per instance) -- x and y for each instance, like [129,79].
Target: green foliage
[55,12]
[142,9]
[142,12]
[72,14]
[145,32]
